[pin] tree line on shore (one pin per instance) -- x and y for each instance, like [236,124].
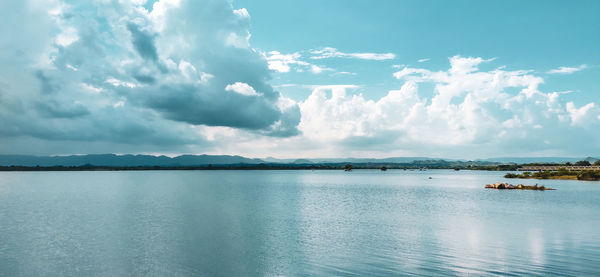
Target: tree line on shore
[415,165]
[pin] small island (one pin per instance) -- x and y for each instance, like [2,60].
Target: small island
[500,185]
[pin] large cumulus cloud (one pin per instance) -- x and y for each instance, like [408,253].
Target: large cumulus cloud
[133,73]
[470,111]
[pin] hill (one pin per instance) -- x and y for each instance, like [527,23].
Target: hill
[123,160]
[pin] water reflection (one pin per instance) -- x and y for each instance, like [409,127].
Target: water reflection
[226,223]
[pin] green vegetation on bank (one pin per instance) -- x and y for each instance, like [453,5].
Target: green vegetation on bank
[248,164]
[414,165]
[261,166]
[586,175]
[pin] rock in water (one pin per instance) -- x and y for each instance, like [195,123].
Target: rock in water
[520,186]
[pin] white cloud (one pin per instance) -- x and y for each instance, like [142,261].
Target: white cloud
[330,52]
[581,116]
[242,88]
[159,11]
[279,66]
[423,60]
[340,116]
[567,70]
[317,69]
[91,88]
[119,83]
[330,87]
[281,62]
[469,109]
[71,67]
[242,12]
[67,36]
[344,73]
[284,62]
[406,72]
[285,85]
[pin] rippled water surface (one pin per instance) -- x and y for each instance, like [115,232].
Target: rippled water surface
[236,223]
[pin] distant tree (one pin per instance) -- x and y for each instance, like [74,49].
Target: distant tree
[383,168]
[568,163]
[511,175]
[348,167]
[597,162]
[563,171]
[583,163]
[589,175]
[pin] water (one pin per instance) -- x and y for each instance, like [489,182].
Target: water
[238,223]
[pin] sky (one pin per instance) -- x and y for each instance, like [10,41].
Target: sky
[300,79]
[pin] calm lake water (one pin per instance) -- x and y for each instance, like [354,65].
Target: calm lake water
[238,223]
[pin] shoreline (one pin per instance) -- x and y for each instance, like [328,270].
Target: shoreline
[217,167]
[336,166]
[551,175]
[562,177]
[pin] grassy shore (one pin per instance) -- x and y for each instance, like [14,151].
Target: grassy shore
[561,174]
[560,177]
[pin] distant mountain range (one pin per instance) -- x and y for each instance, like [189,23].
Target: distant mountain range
[123,160]
[200,160]
[350,160]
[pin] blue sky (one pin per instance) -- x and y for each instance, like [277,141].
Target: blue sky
[534,35]
[456,79]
